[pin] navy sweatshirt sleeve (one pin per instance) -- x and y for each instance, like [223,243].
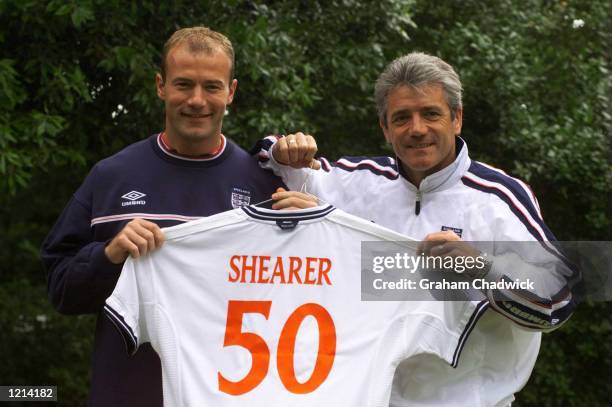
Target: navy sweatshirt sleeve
[79,275]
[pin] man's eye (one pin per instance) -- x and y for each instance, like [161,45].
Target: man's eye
[432,114]
[213,88]
[400,119]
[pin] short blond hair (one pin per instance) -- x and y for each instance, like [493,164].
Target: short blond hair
[199,39]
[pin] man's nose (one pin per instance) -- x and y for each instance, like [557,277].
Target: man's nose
[197,98]
[418,126]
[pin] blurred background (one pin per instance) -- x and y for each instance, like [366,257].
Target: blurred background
[77,85]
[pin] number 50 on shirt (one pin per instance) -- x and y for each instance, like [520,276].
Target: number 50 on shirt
[260,352]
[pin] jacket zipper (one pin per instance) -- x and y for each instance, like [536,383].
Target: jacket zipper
[417,207]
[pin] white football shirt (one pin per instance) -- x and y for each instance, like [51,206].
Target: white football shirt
[260,307]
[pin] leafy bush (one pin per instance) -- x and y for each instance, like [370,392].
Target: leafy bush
[76,85]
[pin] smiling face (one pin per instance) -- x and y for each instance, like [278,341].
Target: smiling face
[196,91]
[421,130]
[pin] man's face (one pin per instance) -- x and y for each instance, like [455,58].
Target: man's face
[420,129]
[196,91]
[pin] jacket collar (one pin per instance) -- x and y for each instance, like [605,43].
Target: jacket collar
[447,176]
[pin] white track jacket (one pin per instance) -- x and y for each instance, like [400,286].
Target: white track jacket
[479,203]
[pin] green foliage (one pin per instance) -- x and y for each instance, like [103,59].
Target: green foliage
[77,84]
[294,58]
[573,367]
[42,344]
[537,85]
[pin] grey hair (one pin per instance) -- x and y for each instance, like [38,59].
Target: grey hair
[418,70]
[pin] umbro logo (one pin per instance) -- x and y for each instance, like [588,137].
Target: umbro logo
[133,195]
[133,198]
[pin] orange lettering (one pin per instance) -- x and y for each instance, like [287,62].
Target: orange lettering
[234,267]
[263,267]
[324,268]
[278,271]
[246,268]
[295,263]
[256,269]
[309,275]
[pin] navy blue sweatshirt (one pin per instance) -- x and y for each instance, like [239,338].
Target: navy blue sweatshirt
[145,180]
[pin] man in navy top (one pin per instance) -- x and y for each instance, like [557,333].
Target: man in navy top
[189,170]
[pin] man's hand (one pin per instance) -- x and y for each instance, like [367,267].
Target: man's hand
[446,243]
[296,150]
[137,238]
[291,200]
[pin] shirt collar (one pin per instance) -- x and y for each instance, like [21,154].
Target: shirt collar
[167,149]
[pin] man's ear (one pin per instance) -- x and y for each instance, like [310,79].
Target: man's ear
[232,91]
[159,86]
[458,122]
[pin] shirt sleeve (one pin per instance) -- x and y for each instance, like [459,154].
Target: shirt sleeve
[440,328]
[124,307]
[79,275]
[334,183]
[292,177]
[526,252]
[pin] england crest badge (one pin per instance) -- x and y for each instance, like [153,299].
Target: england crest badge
[240,197]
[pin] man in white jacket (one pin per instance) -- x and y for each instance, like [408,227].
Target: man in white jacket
[433,191]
